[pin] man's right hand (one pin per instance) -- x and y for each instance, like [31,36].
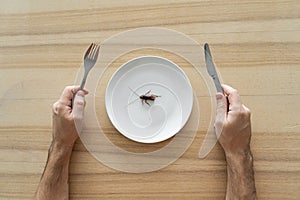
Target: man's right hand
[235,125]
[235,128]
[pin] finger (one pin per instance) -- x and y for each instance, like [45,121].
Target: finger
[55,107]
[246,111]
[233,97]
[220,113]
[78,107]
[67,94]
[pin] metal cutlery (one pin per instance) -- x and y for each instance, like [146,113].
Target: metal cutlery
[90,59]
[211,68]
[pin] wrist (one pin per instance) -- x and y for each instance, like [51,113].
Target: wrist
[63,139]
[238,151]
[239,160]
[61,145]
[60,151]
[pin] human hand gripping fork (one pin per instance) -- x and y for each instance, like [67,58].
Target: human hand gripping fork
[90,59]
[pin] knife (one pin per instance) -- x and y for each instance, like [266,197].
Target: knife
[210,139]
[211,68]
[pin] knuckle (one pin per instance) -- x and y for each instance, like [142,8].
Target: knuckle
[68,87]
[79,103]
[248,112]
[55,107]
[234,92]
[58,106]
[245,113]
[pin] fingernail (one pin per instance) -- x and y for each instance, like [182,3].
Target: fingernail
[219,96]
[80,93]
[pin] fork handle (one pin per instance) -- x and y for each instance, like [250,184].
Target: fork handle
[72,100]
[83,81]
[80,88]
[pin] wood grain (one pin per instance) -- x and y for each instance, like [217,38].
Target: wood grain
[255,45]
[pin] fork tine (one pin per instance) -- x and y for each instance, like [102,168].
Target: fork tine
[88,50]
[94,53]
[91,51]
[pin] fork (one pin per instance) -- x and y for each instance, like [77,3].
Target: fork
[90,59]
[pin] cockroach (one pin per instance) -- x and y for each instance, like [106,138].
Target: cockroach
[145,97]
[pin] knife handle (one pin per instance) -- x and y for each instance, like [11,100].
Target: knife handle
[218,85]
[220,90]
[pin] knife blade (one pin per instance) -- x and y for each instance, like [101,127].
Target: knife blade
[211,68]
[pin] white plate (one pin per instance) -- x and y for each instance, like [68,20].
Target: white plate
[165,116]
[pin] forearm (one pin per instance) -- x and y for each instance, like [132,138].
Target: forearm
[54,181]
[240,181]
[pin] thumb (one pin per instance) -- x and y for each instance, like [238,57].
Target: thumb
[78,109]
[220,113]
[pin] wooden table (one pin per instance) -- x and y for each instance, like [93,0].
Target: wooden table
[255,44]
